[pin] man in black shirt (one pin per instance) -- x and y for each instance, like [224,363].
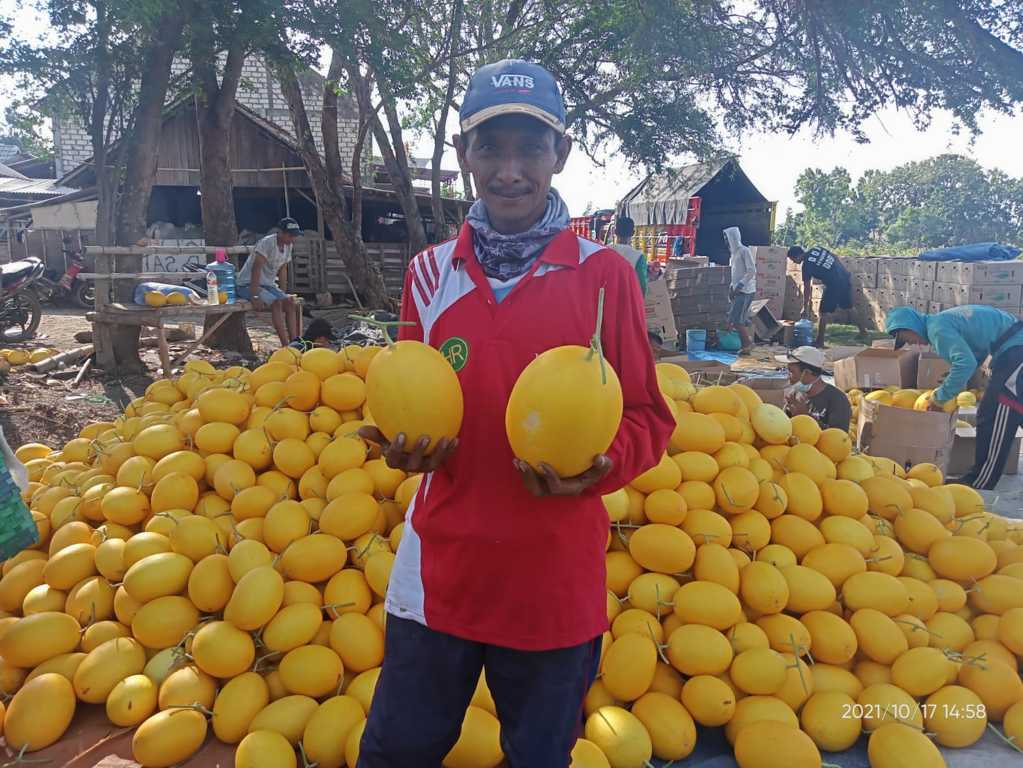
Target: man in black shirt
[823,402]
[821,264]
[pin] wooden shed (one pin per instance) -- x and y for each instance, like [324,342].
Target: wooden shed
[270,182]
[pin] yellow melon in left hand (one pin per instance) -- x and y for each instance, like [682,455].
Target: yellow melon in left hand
[412,389]
[563,410]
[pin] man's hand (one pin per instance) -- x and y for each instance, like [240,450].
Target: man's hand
[934,405]
[410,462]
[546,482]
[798,406]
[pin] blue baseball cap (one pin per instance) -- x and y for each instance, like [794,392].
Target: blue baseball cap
[512,86]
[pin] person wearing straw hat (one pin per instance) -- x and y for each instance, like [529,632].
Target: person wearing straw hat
[810,394]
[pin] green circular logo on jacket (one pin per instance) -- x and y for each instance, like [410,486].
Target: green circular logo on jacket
[456,351]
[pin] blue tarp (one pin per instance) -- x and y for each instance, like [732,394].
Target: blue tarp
[973,252]
[722,357]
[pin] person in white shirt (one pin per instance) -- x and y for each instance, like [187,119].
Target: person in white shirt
[742,288]
[263,273]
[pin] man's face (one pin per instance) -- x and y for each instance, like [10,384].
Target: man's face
[797,259]
[512,159]
[904,337]
[795,373]
[287,238]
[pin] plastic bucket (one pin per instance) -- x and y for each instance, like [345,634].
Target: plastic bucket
[729,341]
[696,340]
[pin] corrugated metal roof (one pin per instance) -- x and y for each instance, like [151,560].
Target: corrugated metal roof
[32,187]
[6,172]
[663,198]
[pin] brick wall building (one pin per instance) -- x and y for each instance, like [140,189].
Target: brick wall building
[258,91]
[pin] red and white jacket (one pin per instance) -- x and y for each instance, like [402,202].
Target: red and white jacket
[480,557]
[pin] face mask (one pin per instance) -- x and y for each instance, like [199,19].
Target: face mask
[801,387]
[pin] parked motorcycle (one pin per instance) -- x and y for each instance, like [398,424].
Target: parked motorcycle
[68,286]
[20,310]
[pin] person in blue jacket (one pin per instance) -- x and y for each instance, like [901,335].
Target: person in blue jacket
[966,337]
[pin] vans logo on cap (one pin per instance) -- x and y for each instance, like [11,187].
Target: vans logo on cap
[512,81]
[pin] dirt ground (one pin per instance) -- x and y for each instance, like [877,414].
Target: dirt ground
[44,408]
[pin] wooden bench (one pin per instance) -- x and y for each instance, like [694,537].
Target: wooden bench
[154,317]
[115,316]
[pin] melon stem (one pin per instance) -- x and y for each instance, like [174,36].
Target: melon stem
[1009,740]
[596,345]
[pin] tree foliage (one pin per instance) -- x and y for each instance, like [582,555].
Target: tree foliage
[946,200]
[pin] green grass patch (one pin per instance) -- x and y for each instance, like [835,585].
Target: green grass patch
[839,334]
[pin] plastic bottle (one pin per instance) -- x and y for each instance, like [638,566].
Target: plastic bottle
[224,271]
[212,293]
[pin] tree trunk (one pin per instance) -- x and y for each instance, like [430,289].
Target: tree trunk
[141,147]
[392,149]
[143,143]
[467,185]
[328,123]
[365,276]
[215,107]
[105,186]
[360,141]
[440,224]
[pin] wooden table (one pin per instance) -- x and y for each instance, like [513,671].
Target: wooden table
[154,317]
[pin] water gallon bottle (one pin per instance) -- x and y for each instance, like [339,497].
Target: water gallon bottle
[802,333]
[225,274]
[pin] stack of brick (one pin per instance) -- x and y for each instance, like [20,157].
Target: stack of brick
[699,297]
[771,264]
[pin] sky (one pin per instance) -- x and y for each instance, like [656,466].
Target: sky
[774,162]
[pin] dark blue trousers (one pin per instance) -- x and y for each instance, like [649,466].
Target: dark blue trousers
[428,679]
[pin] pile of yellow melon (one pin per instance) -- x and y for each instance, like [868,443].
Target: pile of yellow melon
[765,578]
[911,399]
[216,559]
[16,357]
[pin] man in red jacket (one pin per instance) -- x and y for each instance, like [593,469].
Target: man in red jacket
[501,565]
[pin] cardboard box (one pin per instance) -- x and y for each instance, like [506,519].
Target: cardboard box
[964,447]
[773,285]
[905,436]
[865,280]
[770,388]
[946,293]
[765,322]
[922,270]
[931,370]
[920,288]
[774,255]
[985,272]
[1004,296]
[659,316]
[899,283]
[874,368]
[893,266]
